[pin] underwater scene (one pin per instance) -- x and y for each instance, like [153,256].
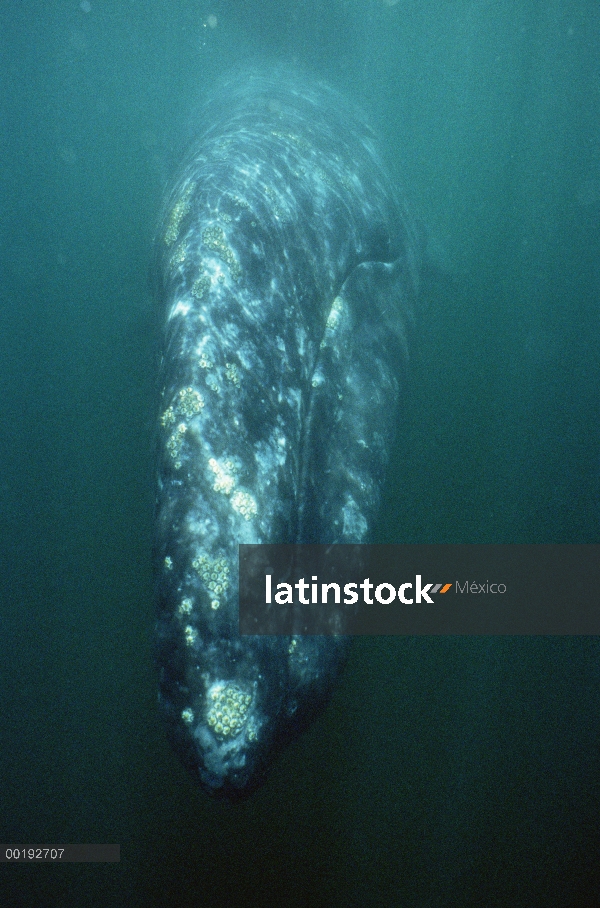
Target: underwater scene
[294,271]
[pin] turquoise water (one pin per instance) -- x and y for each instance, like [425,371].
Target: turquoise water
[451,772]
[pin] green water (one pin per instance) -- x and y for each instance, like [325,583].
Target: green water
[447,772]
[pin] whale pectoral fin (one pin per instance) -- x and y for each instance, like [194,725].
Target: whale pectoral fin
[353,402]
[381,297]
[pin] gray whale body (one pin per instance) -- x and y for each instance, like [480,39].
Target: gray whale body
[288,270]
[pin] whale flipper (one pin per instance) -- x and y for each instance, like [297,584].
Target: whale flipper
[351,420]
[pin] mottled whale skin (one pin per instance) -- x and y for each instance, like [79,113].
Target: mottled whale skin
[288,271]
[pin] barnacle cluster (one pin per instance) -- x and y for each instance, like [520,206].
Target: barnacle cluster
[201,287]
[185,606]
[224,475]
[175,443]
[190,402]
[333,320]
[275,197]
[214,238]
[179,211]
[210,378]
[244,504]
[227,709]
[191,635]
[300,142]
[179,255]
[168,417]
[215,574]
[241,203]
[232,373]
[335,313]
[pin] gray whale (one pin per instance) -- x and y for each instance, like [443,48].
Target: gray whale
[287,267]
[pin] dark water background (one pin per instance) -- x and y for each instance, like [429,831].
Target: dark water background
[447,772]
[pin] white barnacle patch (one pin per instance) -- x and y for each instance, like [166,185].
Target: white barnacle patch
[201,287]
[188,716]
[224,475]
[335,314]
[333,321]
[354,523]
[191,635]
[168,417]
[179,255]
[215,239]
[190,402]
[175,443]
[204,362]
[244,504]
[232,373]
[178,212]
[227,708]
[215,574]
[185,606]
